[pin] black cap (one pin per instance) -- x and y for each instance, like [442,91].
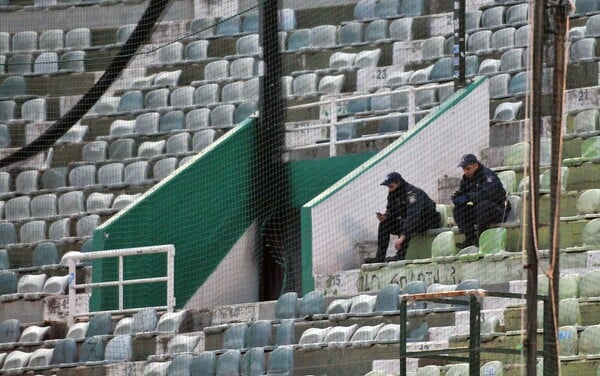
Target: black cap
[392,177]
[467,159]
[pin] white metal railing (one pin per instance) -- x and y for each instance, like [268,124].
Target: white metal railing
[72,258]
[334,107]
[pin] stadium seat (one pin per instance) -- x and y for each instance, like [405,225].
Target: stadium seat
[196,51]
[82,176]
[121,149]
[157,369]
[298,39]
[499,85]
[443,245]
[253,362]
[415,287]
[95,151]
[178,143]
[202,27]
[20,64]
[46,63]
[442,70]
[412,7]
[155,99]
[71,203]
[86,225]
[365,9]
[17,208]
[92,349]
[472,18]
[586,121]
[492,240]
[583,7]
[569,312]
[124,32]
[8,234]
[124,200]
[287,19]
[203,364]
[32,232]
[180,365]
[16,359]
[34,110]
[503,39]
[78,38]
[512,60]
[182,96]
[7,110]
[362,304]
[338,306]
[10,330]
[24,41]
[97,202]
[228,363]
[433,48]
[312,303]
[234,336]
[30,284]
[377,31]
[132,100]
[508,111]
[229,25]
[45,254]
[74,135]
[480,41]
[331,84]
[493,17]
[519,83]
[216,70]
[4,42]
[387,8]
[281,361]
[322,36]
[147,123]
[460,369]
[250,22]
[44,205]
[100,325]
[588,341]
[285,334]
[171,121]
[388,299]
[252,89]
[4,182]
[72,61]
[207,94]
[365,335]
[588,202]
[388,332]
[350,33]
[4,262]
[65,352]
[287,306]
[198,118]
[40,358]
[243,68]
[313,336]
[582,50]
[182,344]
[13,86]
[258,334]
[60,229]
[119,349]
[340,334]
[545,180]
[170,53]
[167,78]
[222,116]
[136,173]
[119,128]
[233,91]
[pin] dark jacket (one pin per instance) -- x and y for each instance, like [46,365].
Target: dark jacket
[410,205]
[483,185]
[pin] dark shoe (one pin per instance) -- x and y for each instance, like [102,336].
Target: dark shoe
[371,260]
[394,258]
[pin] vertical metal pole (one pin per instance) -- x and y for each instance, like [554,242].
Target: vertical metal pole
[170,278]
[474,335]
[411,108]
[459,44]
[120,282]
[72,291]
[403,329]
[531,238]
[561,22]
[333,128]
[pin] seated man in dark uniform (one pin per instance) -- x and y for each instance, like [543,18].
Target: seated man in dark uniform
[480,201]
[409,210]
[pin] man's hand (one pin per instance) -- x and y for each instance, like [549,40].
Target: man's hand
[399,241]
[381,217]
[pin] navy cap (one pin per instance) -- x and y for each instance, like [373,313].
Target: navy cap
[467,159]
[392,177]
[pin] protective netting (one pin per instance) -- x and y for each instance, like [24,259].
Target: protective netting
[311,163]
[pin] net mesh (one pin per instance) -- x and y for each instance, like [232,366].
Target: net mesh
[312,163]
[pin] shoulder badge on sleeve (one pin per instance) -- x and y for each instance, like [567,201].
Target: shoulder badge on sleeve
[490,179]
[412,198]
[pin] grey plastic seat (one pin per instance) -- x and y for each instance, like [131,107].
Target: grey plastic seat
[56,285]
[167,78]
[253,362]
[387,8]
[4,42]
[517,14]
[298,39]
[121,148]
[480,41]
[44,205]
[27,181]
[131,101]
[420,75]
[412,7]
[586,6]
[433,48]
[46,63]
[202,27]
[119,349]
[72,61]
[10,330]
[86,225]
[512,60]
[158,98]
[207,94]
[258,334]
[17,208]
[34,110]
[123,200]
[388,299]
[287,306]
[92,349]
[78,38]
[4,261]
[503,38]
[198,118]
[228,363]
[233,338]
[172,121]
[251,89]
[350,33]
[171,53]
[202,139]
[442,70]
[178,143]
[305,84]
[582,49]
[60,229]
[377,31]
[136,173]
[144,320]
[124,32]
[586,121]
[322,36]
[20,64]
[312,303]
[119,128]
[592,26]
[16,359]
[65,352]
[98,201]
[286,19]
[243,68]
[71,203]
[499,85]
[394,124]
[149,149]
[285,334]
[222,116]
[519,83]
[30,284]
[216,70]
[507,111]
[233,91]
[243,111]
[401,29]
[82,176]
[365,9]
[489,66]
[331,84]
[182,96]
[8,234]
[248,45]
[25,41]
[493,17]
[196,50]
[95,151]
[7,110]
[340,60]
[281,361]
[111,174]
[250,22]
[522,36]
[76,134]
[229,25]
[13,86]
[147,123]
[78,330]
[4,136]
[100,324]
[164,167]
[203,364]
[106,105]
[4,182]
[472,19]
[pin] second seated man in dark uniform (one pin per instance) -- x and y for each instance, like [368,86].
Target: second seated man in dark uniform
[480,201]
[409,210]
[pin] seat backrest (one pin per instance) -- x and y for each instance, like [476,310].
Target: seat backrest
[121,148]
[17,208]
[197,118]
[25,41]
[111,173]
[82,176]
[163,167]
[46,63]
[34,110]
[182,96]
[147,123]
[13,86]
[72,61]
[78,38]
[351,32]
[71,203]
[222,116]
[170,53]
[207,94]
[131,101]
[86,225]
[196,50]
[60,229]
[136,173]
[322,36]
[171,121]
[216,70]
[44,205]
[94,151]
[45,253]
[178,143]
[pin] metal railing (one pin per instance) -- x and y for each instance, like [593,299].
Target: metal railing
[72,258]
[333,113]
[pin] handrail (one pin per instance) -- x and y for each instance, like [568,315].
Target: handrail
[72,258]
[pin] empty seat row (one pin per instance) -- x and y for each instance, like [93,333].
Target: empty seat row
[487,41]
[48,40]
[310,84]
[31,110]
[372,9]
[27,285]
[187,96]
[225,115]
[37,231]
[44,63]
[498,17]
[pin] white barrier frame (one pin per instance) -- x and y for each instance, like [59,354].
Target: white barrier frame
[72,258]
[332,103]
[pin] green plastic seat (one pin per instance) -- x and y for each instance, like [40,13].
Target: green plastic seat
[258,334]
[285,334]
[517,154]
[388,299]
[567,341]
[253,362]
[589,285]
[312,303]
[588,202]
[234,336]
[229,363]
[568,312]
[586,121]
[461,369]
[281,361]
[287,306]
[589,341]
[591,233]
[569,286]
[492,240]
[542,282]
[545,180]
[431,370]
[508,179]
[203,364]
[443,245]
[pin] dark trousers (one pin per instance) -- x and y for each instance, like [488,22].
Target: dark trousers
[483,214]
[393,226]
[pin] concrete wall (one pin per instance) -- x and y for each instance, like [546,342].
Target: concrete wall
[345,213]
